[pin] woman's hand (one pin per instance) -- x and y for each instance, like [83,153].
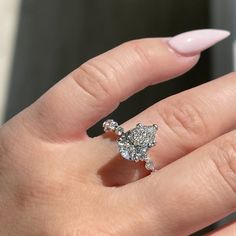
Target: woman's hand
[57,181]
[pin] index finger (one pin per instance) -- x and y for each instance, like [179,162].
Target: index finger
[97,87]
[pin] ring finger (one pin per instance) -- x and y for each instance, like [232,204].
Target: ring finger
[186,120]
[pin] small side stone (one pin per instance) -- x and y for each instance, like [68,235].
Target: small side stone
[149,165]
[110,125]
[119,131]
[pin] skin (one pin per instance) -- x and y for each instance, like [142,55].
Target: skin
[55,180]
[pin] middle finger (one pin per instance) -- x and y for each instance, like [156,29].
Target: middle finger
[186,120]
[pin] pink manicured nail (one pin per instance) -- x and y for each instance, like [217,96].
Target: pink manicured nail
[194,42]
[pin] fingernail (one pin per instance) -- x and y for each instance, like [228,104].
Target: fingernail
[194,42]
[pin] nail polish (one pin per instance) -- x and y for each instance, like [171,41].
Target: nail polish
[196,41]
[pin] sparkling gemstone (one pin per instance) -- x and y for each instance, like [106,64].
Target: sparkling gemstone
[134,144]
[142,135]
[119,130]
[149,165]
[110,125]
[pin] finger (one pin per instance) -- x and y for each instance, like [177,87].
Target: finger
[191,118]
[96,88]
[227,230]
[186,121]
[192,192]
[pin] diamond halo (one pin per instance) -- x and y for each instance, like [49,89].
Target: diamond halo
[134,144]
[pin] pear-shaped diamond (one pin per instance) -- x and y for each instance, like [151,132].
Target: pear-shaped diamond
[134,144]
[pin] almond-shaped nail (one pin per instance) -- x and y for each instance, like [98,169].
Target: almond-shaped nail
[194,42]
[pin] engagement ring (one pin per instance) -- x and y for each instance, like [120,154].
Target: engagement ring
[134,144]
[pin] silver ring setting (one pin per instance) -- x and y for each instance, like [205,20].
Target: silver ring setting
[134,144]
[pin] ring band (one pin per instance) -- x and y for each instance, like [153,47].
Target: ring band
[134,144]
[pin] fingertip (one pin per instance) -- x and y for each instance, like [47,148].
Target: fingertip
[196,41]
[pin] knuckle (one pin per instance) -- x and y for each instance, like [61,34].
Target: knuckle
[225,160]
[140,50]
[98,78]
[183,118]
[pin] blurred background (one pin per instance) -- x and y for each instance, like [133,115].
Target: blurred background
[42,41]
